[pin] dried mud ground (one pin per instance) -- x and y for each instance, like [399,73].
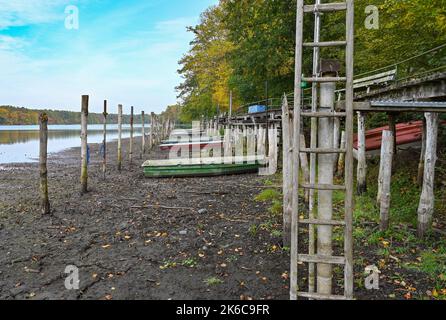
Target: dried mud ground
[138,238]
[125,240]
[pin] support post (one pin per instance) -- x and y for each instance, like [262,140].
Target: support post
[104,145]
[287,172]
[143,135]
[131,135]
[84,145]
[152,130]
[120,137]
[385,178]
[362,162]
[392,128]
[341,160]
[422,156]
[427,199]
[305,168]
[43,155]
[325,198]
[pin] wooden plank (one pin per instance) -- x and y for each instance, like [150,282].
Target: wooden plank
[321,259]
[322,222]
[323,150]
[325,79]
[323,187]
[323,114]
[362,160]
[325,44]
[296,154]
[349,96]
[325,7]
[316,296]
[287,172]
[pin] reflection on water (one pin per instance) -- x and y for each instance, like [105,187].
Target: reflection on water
[20,144]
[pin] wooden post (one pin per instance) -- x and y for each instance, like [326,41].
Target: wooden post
[143,135]
[341,161]
[385,178]
[84,145]
[120,137]
[152,130]
[325,197]
[131,135]
[427,200]
[45,203]
[272,149]
[392,128]
[305,167]
[336,137]
[104,156]
[287,171]
[362,162]
[422,156]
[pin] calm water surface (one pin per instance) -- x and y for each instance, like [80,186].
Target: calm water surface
[20,144]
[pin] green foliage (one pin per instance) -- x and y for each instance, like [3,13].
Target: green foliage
[268,195]
[240,45]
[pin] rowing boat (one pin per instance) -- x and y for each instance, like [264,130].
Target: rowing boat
[200,167]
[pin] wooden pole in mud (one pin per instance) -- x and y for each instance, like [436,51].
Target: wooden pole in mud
[385,178]
[131,135]
[84,145]
[104,155]
[362,161]
[427,199]
[422,156]
[45,203]
[143,133]
[120,137]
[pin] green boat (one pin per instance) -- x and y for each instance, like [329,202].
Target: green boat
[202,167]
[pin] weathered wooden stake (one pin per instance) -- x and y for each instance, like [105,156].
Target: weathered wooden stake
[152,130]
[287,172]
[422,156]
[84,145]
[362,162]
[143,135]
[385,178]
[45,203]
[427,200]
[325,198]
[104,156]
[305,167]
[131,135]
[341,161]
[392,128]
[120,137]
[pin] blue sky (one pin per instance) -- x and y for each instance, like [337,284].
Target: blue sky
[125,51]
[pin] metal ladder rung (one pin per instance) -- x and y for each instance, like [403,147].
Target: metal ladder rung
[323,151]
[317,296]
[323,187]
[320,259]
[326,7]
[324,114]
[325,44]
[322,222]
[325,79]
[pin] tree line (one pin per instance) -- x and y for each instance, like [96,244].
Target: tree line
[247,47]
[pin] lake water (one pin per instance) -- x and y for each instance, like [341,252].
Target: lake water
[20,144]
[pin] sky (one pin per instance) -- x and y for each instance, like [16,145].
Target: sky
[125,51]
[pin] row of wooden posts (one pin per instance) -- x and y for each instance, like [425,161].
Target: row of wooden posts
[249,139]
[159,129]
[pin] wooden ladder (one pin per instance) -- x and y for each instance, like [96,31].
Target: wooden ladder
[316,151]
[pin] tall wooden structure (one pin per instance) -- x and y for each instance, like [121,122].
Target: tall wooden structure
[319,256]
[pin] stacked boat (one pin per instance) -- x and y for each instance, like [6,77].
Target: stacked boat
[185,166]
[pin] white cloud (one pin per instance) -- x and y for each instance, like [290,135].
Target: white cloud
[15,13]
